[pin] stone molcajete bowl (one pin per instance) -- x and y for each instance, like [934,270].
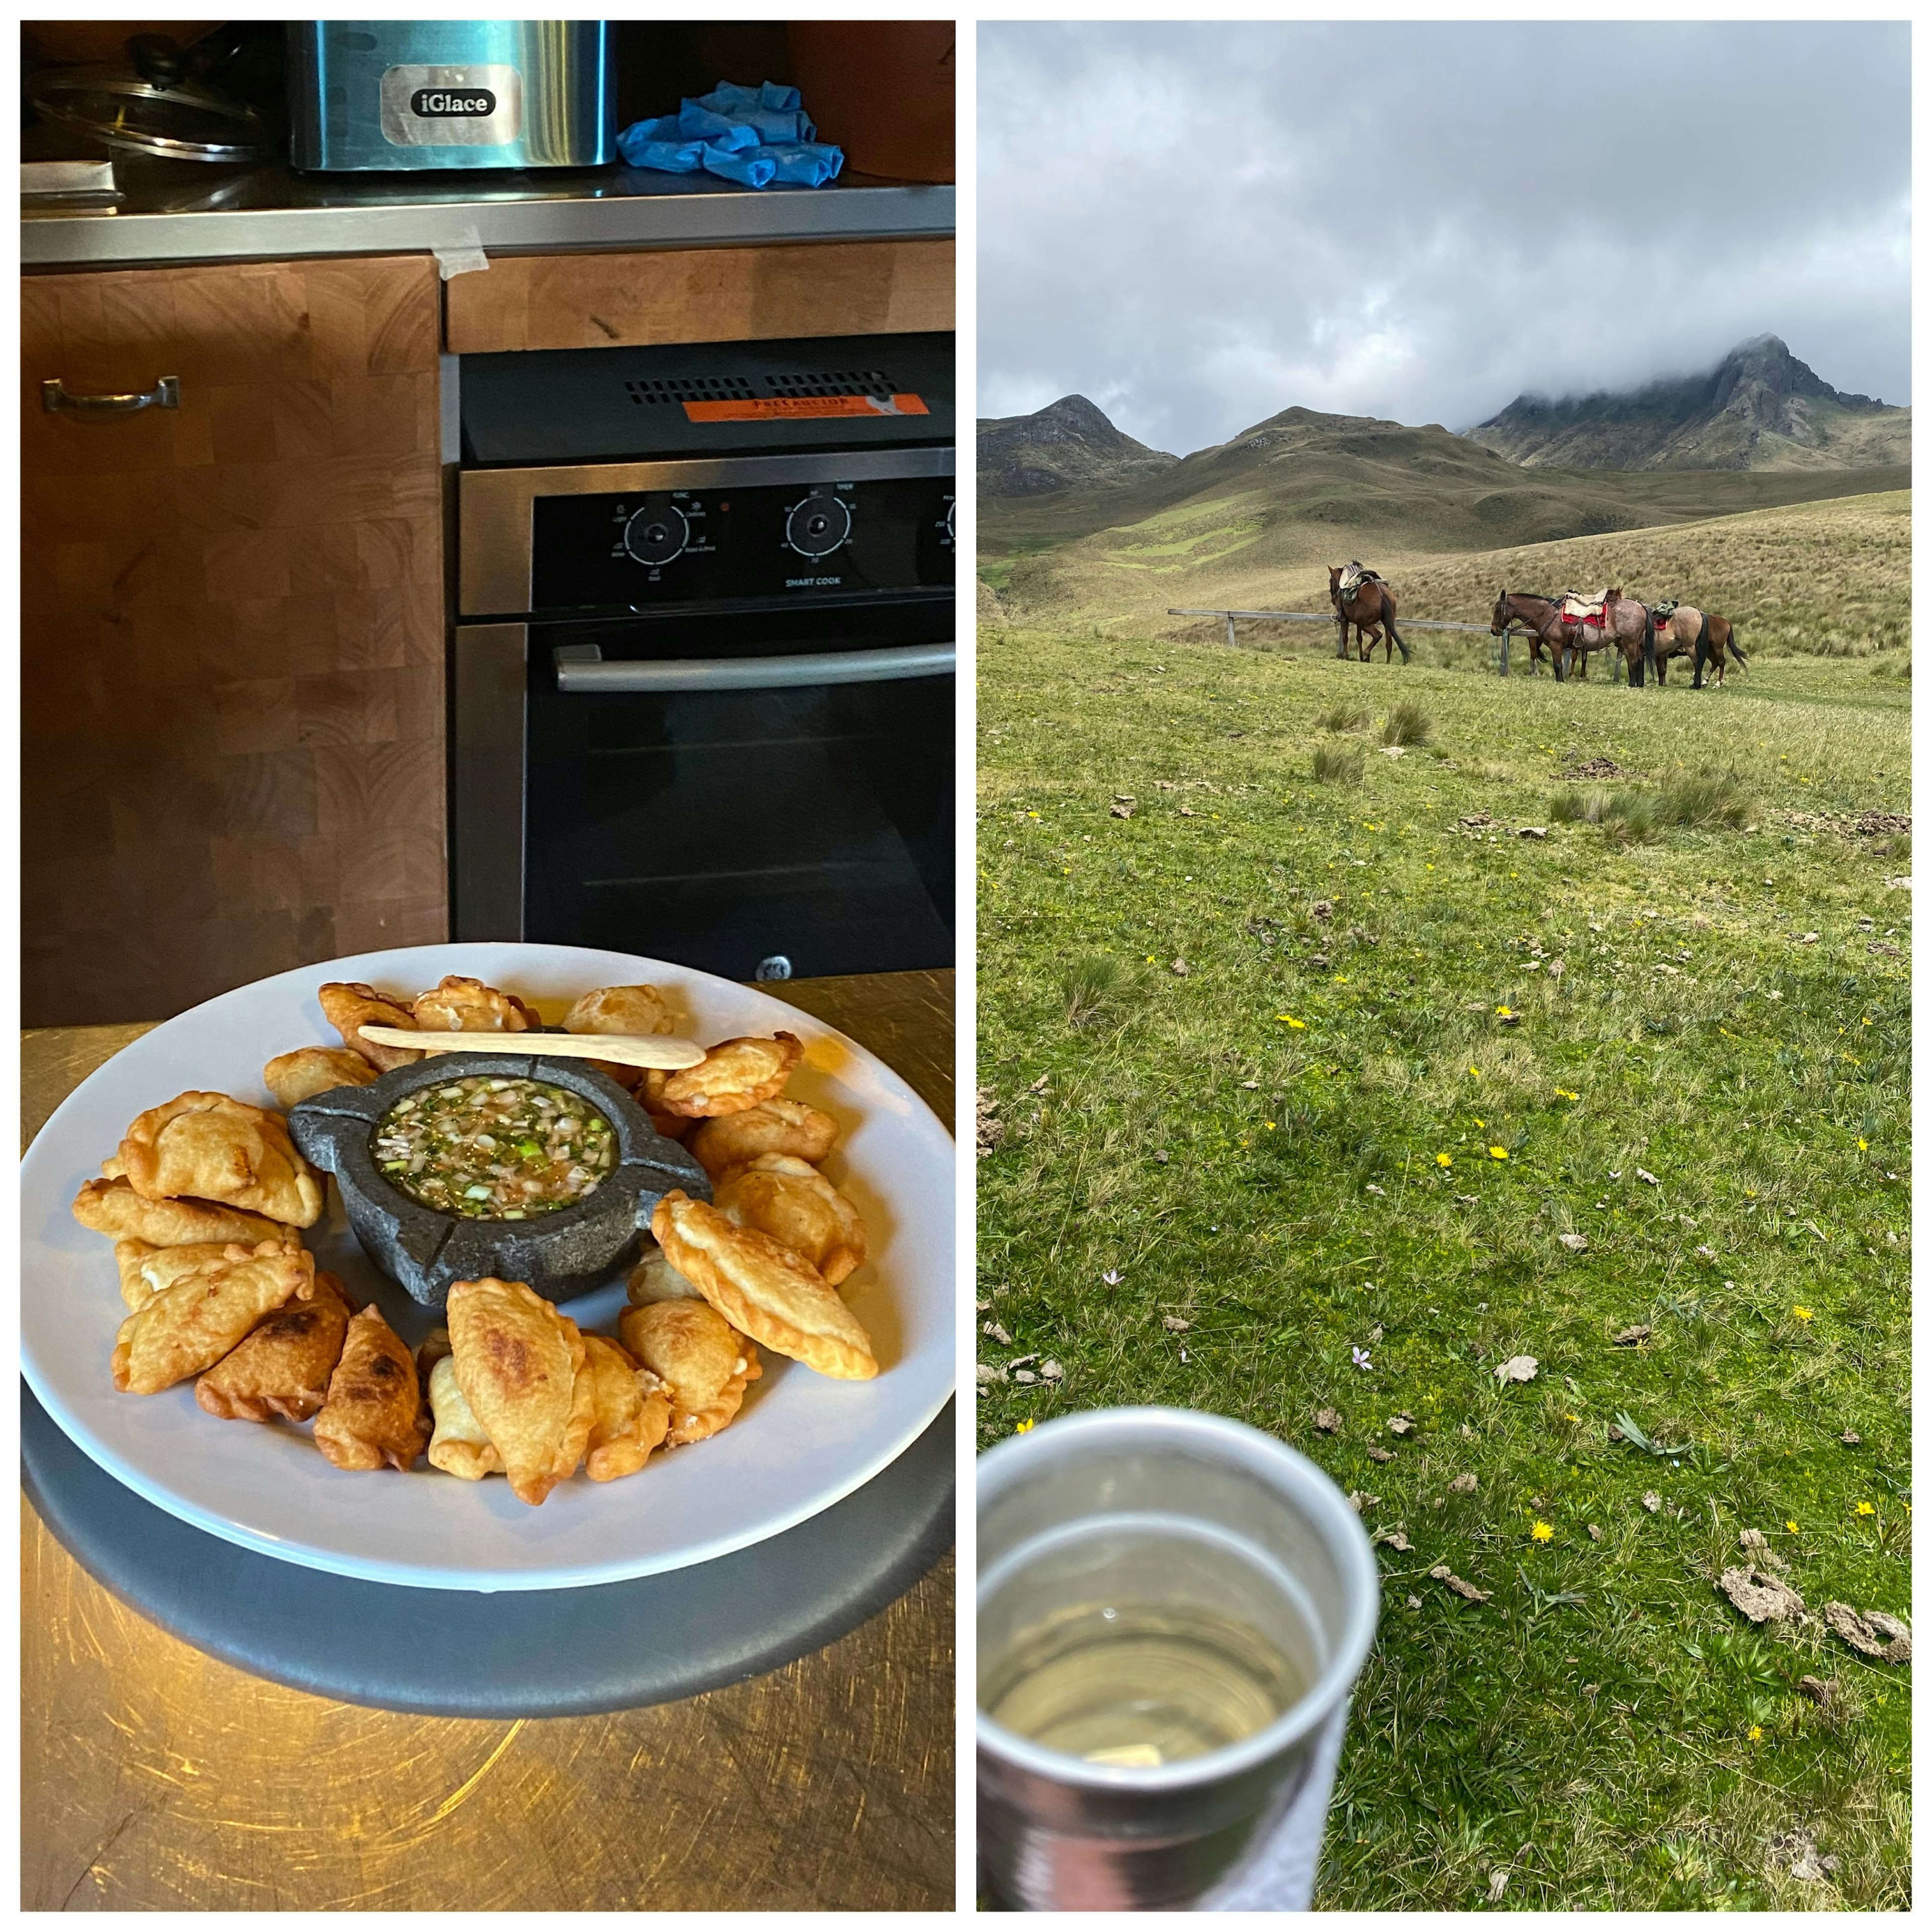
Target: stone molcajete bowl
[559,1254]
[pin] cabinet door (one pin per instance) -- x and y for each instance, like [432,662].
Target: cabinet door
[232,639]
[702,294]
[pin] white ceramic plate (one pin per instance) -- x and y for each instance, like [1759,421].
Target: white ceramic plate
[801,1442]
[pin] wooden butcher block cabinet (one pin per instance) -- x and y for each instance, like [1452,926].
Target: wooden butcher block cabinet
[231,643]
[654,296]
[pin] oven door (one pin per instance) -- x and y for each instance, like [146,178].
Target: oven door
[778,804]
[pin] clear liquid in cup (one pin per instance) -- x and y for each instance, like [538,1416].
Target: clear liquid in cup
[1141,1684]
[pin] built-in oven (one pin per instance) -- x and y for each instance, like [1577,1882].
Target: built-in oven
[702,691]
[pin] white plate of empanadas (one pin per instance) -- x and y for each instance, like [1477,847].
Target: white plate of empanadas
[254,1374]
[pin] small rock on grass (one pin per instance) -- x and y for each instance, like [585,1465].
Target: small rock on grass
[1052,1371]
[1415,1603]
[1467,1592]
[1377,1454]
[1820,1691]
[1327,1420]
[1174,1325]
[998,1333]
[1517,1369]
[1652,1501]
[1576,1243]
[987,1374]
[1401,1425]
[1851,1438]
[989,1130]
[1395,1539]
[1358,1501]
[1884,1639]
[1596,1535]
[1629,1338]
[1464,1485]
[1759,1595]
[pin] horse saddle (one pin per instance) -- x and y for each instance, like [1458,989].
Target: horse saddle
[1353,578]
[1662,614]
[1577,609]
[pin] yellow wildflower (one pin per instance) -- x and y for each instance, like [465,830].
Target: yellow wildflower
[1756,1734]
[1540,1531]
[1499,1153]
[1291,1020]
[1023,1428]
[1803,1314]
[1866,1509]
[1790,1526]
[1441,1160]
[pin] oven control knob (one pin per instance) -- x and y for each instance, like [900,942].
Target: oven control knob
[818,525]
[950,537]
[657,535]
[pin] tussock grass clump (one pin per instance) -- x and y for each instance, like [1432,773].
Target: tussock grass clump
[1704,798]
[1097,986]
[1338,764]
[1344,714]
[1407,724]
[1578,805]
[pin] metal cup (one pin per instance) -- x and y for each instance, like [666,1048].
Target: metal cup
[1238,1523]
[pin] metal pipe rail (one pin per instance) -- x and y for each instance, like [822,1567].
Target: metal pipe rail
[1328,617]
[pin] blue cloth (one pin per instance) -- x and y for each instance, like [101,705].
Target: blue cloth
[751,135]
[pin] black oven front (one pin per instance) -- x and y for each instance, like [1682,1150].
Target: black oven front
[706,713]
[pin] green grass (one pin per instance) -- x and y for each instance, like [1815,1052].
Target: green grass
[1255,1146]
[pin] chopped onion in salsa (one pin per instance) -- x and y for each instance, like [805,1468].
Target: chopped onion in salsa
[495,1150]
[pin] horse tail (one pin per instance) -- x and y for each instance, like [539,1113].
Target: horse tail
[1733,641]
[1700,650]
[1650,642]
[1388,617]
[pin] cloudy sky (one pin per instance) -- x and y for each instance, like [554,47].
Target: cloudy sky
[1197,226]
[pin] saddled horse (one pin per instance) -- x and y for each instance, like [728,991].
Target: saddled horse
[1625,624]
[1370,607]
[1701,636]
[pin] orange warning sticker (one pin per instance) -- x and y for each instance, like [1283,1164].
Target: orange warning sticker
[797,409]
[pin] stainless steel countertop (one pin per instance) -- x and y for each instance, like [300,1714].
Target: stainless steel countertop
[190,212]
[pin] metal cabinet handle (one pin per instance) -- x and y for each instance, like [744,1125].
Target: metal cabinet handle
[580,667]
[166,395]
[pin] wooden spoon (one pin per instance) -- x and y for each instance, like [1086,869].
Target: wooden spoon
[622,1049]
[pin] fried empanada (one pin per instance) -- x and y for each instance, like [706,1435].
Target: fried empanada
[772,1126]
[637,1010]
[293,1078]
[789,1200]
[655,1279]
[630,1411]
[760,1286]
[147,1270]
[203,1315]
[649,1090]
[282,1367]
[113,1168]
[113,1207]
[458,1005]
[210,1148]
[461,1445]
[348,1006]
[734,1075]
[516,1361]
[373,1413]
[703,1359]
[432,1348]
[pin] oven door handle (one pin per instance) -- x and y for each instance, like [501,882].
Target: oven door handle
[581,667]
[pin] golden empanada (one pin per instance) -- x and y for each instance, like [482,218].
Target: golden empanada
[432,1348]
[760,1286]
[655,1279]
[373,1413]
[772,1126]
[113,1168]
[147,1269]
[789,1200]
[282,1367]
[113,1207]
[517,1361]
[734,1075]
[458,1005]
[209,1147]
[461,1445]
[293,1078]
[704,1361]
[635,1009]
[649,1090]
[348,1006]
[630,1411]
[203,1315]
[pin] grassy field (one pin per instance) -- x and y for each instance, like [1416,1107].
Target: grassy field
[1277,1070]
[1831,577]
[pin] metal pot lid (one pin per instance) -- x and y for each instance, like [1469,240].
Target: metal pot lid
[181,123]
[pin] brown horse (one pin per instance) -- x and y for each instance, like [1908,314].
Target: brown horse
[1625,625]
[1369,606]
[1701,636]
